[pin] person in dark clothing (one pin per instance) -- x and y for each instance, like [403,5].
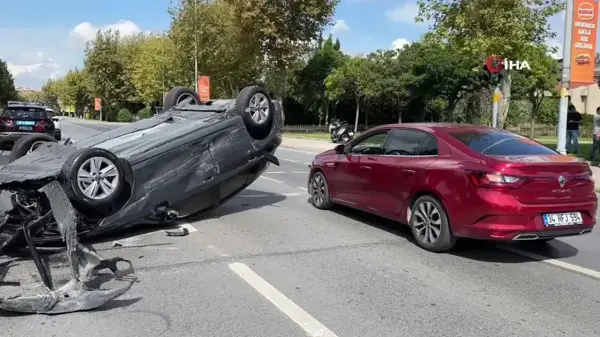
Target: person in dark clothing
[573,121]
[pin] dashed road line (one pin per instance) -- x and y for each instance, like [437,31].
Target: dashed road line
[292,194]
[307,322]
[299,151]
[301,172]
[271,179]
[557,263]
[290,161]
[275,172]
[303,189]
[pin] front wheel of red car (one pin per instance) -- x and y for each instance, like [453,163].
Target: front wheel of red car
[430,225]
[319,191]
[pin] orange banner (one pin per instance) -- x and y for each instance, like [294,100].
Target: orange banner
[583,44]
[204,88]
[97,104]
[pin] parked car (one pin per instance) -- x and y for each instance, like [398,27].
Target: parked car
[21,119]
[450,181]
[57,128]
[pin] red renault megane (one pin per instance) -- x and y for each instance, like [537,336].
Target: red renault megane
[449,181]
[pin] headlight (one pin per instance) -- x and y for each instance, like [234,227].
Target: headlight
[351,133]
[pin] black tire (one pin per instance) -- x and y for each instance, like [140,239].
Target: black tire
[74,187]
[24,144]
[445,239]
[319,191]
[260,128]
[58,135]
[178,95]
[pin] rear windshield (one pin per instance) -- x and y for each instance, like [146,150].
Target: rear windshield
[24,112]
[500,143]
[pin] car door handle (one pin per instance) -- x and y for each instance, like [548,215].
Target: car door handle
[365,168]
[408,171]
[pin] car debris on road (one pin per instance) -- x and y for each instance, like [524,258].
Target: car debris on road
[171,167]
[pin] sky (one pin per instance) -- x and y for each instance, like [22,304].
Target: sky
[46,38]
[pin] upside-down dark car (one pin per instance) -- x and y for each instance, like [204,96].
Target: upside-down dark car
[167,168]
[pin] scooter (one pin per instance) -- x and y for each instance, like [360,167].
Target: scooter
[340,131]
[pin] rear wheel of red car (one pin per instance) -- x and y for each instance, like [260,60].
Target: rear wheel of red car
[319,191]
[430,225]
[27,144]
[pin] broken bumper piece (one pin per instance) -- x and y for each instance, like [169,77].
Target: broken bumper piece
[77,294]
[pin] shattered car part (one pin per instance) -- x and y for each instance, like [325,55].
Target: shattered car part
[173,166]
[75,295]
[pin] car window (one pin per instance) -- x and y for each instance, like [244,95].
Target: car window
[370,145]
[429,146]
[501,143]
[404,143]
[24,112]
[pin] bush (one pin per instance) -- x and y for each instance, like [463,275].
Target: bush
[145,113]
[124,116]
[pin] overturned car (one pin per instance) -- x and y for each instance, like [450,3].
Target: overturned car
[171,167]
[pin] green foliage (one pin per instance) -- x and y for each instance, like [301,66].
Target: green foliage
[124,115]
[145,113]
[7,85]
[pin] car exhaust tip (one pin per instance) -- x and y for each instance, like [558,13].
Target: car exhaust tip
[585,231]
[523,237]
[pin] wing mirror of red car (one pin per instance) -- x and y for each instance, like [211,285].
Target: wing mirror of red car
[339,149]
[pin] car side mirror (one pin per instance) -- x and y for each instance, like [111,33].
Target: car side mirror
[339,149]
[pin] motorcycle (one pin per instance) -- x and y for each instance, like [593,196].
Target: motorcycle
[340,132]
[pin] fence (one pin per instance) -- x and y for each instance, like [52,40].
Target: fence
[539,130]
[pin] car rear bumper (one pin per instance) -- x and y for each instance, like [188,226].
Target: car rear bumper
[11,137]
[509,220]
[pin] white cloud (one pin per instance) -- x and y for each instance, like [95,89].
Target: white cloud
[400,43]
[340,26]
[557,25]
[405,13]
[87,31]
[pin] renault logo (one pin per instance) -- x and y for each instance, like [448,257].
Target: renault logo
[561,181]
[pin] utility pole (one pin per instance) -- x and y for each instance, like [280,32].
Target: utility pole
[195,45]
[565,79]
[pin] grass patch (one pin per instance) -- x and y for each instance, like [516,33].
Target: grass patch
[585,146]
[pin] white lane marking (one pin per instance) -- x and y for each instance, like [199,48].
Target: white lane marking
[282,147]
[271,179]
[307,322]
[300,172]
[292,194]
[189,227]
[275,172]
[303,189]
[253,195]
[554,262]
[291,161]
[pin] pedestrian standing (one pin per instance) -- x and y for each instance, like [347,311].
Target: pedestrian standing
[573,121]
[596,136]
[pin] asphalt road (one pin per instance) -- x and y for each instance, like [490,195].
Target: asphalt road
[268,264]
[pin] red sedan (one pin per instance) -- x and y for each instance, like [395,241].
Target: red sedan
[449,181]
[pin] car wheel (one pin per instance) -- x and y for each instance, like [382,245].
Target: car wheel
[430,225]
[27,144]
[95,178]
[255,107]
[319,191]
[178,95]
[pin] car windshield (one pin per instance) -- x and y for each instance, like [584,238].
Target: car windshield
[501,143]
[24,112]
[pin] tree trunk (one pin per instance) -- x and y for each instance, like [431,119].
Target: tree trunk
[399,116]
[532,131]
[326,112]
[366,120]
[504,103]
[357,114]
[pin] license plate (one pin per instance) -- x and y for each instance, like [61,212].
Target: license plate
[32,123]
[562,219]
[25,128]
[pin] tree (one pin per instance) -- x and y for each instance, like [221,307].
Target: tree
[537,84]
[481,28]
[353,79]
[76,91]
[7,85]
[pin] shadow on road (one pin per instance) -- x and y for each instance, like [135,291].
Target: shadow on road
[486,251]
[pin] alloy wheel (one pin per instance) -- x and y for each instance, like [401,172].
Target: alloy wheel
[259,108]
[317,189]
[98,178]
[427,222]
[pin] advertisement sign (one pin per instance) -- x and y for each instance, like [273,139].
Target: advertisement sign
[583,45]
[204,88]
[97,104]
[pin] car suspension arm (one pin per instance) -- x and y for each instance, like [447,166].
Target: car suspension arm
[34,253]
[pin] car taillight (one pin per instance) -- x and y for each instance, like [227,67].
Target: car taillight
[6,121]
[42,124]
[494,180]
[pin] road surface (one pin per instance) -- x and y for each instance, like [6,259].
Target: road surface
[268,264]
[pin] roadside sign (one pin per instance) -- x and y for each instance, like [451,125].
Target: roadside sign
[97,104]
[204,88]
[583,41]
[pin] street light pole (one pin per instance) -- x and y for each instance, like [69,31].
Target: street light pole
[195,46]
[565,79]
